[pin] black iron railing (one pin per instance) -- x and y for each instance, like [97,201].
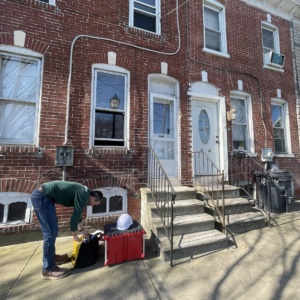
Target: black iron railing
[250,176]
[163,194]
[243,171]
[210,181]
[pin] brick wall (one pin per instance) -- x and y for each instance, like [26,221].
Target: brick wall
[51,31]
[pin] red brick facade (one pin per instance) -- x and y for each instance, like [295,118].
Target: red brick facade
[98,27]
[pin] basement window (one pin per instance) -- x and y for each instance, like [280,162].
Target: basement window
[114,202]
[15,208]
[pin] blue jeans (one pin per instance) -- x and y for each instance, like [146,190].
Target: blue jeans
[46,214]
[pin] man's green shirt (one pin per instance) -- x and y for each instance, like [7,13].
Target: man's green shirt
[69,194]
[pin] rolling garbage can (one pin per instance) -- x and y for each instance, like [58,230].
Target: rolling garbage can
[280,189]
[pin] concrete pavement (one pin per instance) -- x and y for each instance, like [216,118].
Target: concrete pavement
[265,265]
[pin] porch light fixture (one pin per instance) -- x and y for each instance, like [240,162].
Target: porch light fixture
[231,114]
[114,102]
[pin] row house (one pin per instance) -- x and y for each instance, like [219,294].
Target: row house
[86,87]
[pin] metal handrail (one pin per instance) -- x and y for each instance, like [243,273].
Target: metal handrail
[243,169]
[163,194]
[245,172]
[210,180]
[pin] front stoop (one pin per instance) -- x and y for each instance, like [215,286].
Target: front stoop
[240,216]
[194,230]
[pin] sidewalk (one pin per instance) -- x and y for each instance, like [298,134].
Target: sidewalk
[266,265]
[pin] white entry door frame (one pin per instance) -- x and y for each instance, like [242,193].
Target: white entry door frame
[205,132]
[163,131]
[211,107]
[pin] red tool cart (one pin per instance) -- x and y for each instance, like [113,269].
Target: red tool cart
[123,245]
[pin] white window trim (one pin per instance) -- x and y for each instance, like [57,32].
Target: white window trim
[248,106]
[269,26]
[51,2]
[114,69]
[222,20]
[166,86]
[12,50]
[107,193]
[285,111]
[157,19]
[7,198]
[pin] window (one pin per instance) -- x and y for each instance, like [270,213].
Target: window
[163,128]
[15,208]
[280,127]
[52,2]
[144,14]
[19,94]
[271,49]
[110,103]
[214,28]
[269,38]
[114,202]
[242,133]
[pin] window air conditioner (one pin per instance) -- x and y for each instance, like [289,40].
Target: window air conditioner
[274,59]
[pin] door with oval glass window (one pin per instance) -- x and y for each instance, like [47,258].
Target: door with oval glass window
[205,127]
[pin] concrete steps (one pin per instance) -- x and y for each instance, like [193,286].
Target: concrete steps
[240,223]
[194,230]
[197,228]
[240,216]
[236,205]
[181,207]
[184,224]
[192,245]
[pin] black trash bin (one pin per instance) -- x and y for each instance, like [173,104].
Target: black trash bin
[280,187]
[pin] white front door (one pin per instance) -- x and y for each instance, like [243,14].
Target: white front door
[205,128]
[163,131]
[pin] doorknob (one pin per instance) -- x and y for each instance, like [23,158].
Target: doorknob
[217,139]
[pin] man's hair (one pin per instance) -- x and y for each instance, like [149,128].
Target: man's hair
[97,194]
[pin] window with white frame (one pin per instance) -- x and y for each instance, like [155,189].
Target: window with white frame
[15,208]
[110,122]
[114,202]
[280,124]
[270,37]
[271,46]
[19,96]
[52,2]
[242,132]
[214,27]
[144,14]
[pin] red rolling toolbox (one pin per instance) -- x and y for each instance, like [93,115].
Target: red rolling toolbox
[123,245]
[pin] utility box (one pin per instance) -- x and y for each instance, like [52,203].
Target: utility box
[123,245]
[64,155]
